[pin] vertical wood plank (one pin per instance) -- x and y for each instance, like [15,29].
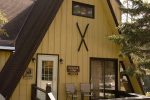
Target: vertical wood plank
[51,39]
[16,94]
[57,32]
[68,39]
[62,66]
[45,43]
[23,89]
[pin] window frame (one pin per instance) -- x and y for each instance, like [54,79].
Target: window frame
[85,6]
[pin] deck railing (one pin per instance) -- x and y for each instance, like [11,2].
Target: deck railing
[34,90]
[122,95]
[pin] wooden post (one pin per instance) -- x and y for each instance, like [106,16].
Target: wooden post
[33,92]
[48,90]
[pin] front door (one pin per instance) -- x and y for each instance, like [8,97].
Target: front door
[47,73]
[104,77]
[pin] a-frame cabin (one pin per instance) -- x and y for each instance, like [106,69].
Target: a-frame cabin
[58,42]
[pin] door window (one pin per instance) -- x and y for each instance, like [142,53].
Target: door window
[47,70]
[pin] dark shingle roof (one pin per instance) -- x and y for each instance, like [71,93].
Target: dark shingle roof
[14,7]
[16,11]
[38,20]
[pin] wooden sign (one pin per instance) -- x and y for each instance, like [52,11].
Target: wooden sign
[28,74]
[73,70]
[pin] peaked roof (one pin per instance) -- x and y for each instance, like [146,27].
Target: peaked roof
[38,20]
[26,18]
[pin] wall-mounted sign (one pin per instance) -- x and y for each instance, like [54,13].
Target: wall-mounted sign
[73,70]
[82,9]
[28,74]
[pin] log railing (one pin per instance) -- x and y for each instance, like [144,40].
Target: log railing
[34,89]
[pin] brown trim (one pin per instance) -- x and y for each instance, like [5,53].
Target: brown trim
[130,85]
[118,1]
[140,84]
[86,6]
[113,14]
[27,43]
[138,78]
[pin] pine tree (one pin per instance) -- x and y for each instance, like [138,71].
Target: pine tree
[134,39]
[3,20]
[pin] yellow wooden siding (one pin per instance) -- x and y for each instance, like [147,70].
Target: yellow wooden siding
[63,38]
[23,90]
[4,55]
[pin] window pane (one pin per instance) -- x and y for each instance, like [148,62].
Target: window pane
[146,83]
[47,70]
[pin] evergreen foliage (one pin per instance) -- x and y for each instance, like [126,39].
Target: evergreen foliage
[3,20]
[134,39]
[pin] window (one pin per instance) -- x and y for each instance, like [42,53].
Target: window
[145,83]
[81,9]
[47,70]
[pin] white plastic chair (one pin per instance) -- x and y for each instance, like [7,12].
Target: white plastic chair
[85,90]
[71,91]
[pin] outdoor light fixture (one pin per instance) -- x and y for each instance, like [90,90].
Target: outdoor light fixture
[61,61]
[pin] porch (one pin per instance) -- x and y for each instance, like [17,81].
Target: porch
[121,95]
